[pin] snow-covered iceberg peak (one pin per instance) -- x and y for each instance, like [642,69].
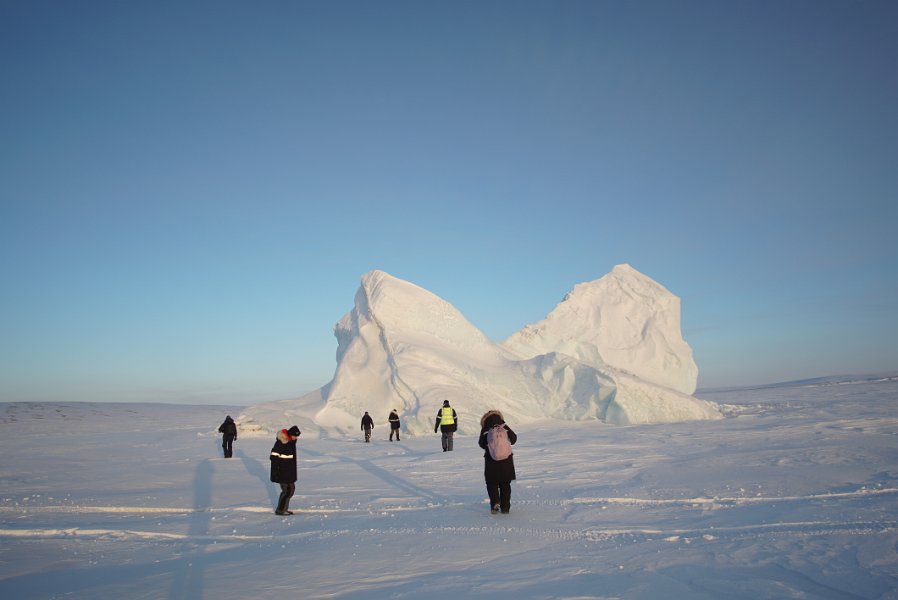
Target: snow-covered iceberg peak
[624,320]
[402,347]
[400,307]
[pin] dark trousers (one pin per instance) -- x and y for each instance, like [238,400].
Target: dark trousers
[367,434]
[392,431]
[447,441]
[287,490]
[226,443]
[500,493]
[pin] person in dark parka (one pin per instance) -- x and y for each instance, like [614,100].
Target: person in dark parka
[394,424]
[228,431]
[283,467]
[498,473]
[367,426]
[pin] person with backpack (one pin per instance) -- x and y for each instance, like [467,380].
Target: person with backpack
[283,467]
[228,431]
[394,425]
[497,438]
[367,426]
[447,423]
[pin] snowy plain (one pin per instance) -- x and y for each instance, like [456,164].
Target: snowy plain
[793,495]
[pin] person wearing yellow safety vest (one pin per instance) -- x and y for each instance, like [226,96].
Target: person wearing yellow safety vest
[447,423]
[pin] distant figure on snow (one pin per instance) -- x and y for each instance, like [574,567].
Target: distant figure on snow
[394,425]
[367,426]
[283,467]
[496,438]
[447,423]
[228,431]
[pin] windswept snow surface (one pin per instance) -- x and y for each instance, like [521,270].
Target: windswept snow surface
[793,495]
[612,351]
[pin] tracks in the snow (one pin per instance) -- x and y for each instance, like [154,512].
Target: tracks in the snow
[375,508]
[510,531]
[507,527]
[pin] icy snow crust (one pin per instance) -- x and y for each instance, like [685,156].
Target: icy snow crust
[794,496]
[612,351]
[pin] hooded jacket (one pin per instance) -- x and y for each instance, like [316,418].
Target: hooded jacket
[228,428]
[283,458]
[496,471]
[394,420]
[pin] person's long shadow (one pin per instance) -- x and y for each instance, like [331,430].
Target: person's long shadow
[188,581]
[64,580]
[255,468]
[219,446]
[383,474]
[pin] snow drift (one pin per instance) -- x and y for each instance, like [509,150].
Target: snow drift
[611,351]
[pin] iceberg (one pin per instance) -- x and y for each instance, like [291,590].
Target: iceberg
[611,351]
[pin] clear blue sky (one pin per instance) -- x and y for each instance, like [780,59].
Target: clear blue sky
[191,190]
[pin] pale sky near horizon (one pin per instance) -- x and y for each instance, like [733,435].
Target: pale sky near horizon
[190,191]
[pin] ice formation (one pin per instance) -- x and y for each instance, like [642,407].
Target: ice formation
[611,351]
[624,320]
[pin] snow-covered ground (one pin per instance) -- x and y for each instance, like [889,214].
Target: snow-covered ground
[793,495]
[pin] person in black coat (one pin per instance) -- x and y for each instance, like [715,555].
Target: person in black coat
[498,473]
[367,426]
[228,431]
[394,425]
[283,467]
